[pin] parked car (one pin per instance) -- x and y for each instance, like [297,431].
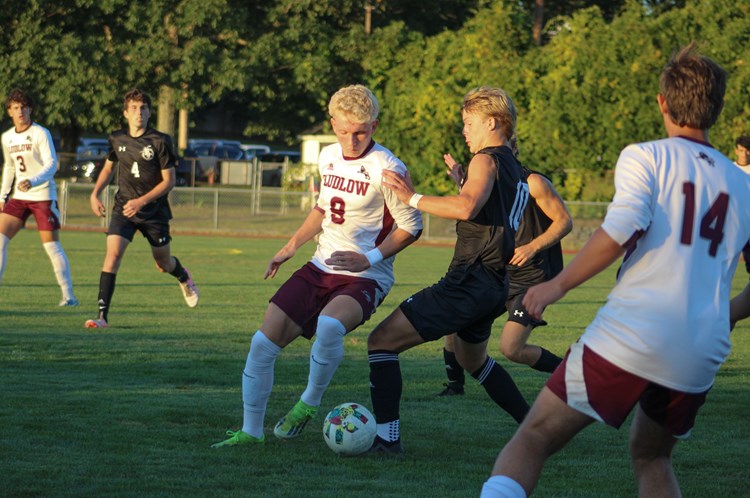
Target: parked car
[84,170]
[279,156]
[254,150]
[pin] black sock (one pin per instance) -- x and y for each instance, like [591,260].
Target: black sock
[385,385]
[452,368]
[547,362]
[106,290]
[179,272]
[501,388]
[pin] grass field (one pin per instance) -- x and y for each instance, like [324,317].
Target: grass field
[133,410]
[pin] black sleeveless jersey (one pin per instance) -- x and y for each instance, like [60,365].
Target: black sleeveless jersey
[545,264]
[488,238]
[139,164]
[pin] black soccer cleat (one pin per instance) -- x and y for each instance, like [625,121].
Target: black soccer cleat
[452,389]
[381,446]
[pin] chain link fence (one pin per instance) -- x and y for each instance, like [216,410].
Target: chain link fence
[270,211]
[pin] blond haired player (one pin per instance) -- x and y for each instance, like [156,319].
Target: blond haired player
[362,225]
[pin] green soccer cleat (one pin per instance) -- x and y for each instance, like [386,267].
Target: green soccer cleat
[237,438]
[292,423]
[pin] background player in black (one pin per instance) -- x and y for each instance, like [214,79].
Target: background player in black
[472,294]
[146,174]
[536,259]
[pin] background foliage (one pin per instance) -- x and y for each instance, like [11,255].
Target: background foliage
[584,90]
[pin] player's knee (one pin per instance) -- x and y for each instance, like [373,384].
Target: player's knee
[513,352]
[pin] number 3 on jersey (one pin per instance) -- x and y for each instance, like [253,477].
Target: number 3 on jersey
[712,222]
[135,171]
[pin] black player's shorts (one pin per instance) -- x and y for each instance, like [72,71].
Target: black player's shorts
[156,230]
[463,301]
[518,314]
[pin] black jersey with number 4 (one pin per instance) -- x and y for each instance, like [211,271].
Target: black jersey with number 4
[140,161]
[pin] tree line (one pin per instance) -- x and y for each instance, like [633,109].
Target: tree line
[583,74]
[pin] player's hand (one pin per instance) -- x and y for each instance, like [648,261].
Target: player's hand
[401,186]
[348,261]
[96,206]
[24,186]
[522,255]
[281,257]
[2,206]
[132,207]
[540,296]
[455,170]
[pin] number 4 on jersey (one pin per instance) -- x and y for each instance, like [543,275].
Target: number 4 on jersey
[135,171]
[712,223]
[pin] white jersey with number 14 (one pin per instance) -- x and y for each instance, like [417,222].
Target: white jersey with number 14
[681,209]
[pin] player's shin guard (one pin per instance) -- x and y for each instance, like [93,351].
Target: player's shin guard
[453,369]
[325,356]
[62,268]
[257,382]
[501,388]
[385,390]
[4,241]
[547,362]
[106,290]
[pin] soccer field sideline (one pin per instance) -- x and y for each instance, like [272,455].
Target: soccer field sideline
[132,411]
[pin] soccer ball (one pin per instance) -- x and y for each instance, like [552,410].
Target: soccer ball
[349,429]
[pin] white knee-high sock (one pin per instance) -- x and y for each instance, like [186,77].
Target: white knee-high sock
[257,382]
[502,487]
[4,241]
[62,268]
[325,356]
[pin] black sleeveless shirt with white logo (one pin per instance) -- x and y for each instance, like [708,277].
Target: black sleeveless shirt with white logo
[488,238]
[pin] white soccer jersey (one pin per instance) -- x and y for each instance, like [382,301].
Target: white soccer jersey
[359,211]
[667,318]
[29,155]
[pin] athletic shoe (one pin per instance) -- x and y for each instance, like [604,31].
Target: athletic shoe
[292,423]
[451,389]
[69,302]
[100,323]
[189,290]
[382,446]
[237,438]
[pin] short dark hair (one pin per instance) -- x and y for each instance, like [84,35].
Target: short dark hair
[693,86]
[20,96]
[744,141]
[135,95]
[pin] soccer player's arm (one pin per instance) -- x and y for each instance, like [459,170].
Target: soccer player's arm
[9,173]
[104,178]
[629,215]
[477,188]
[552,205]
[312,226]
[49,159]
[739,306]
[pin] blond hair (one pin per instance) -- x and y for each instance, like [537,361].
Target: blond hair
[356,103]
[493,103]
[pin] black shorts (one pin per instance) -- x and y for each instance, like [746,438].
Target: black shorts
[518,314]
[463,301]
[155,230]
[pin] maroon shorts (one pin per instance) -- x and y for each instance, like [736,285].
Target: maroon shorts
[45,213]
[309,290]
[591,385]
